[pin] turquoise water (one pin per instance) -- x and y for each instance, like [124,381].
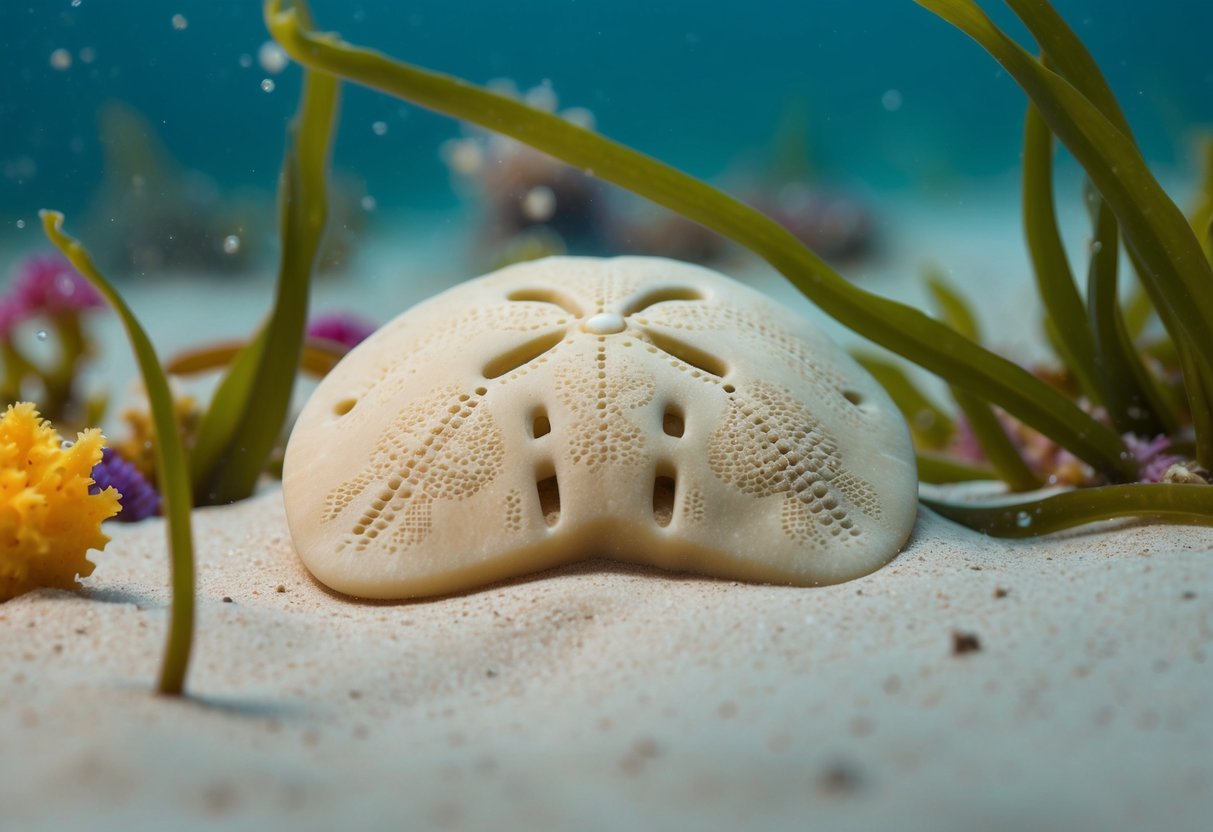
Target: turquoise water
[892,97]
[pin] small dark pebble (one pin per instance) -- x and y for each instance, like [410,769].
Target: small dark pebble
[1001,592]
[964,643]
[227,599]
[840,777]
[281,588]
[1188,595]
[490,673]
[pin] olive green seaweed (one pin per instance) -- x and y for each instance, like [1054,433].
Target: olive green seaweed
[1164,250]
[1201,217]
[171,465]
[1118,379]
[953,308]
[1131,395]
[319,356]
[1070,100]
[995,445]
[1192,504]
[895,326]
[245,418]
[1063,305]
[991,437]
[931,426]
[939,470]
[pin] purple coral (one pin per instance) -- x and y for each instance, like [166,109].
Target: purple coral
[138,498]
[1150,455]
[341,327]
[49,284]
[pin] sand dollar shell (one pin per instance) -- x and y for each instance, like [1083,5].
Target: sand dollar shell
[633,408]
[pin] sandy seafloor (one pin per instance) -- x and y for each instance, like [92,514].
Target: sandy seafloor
[610,697]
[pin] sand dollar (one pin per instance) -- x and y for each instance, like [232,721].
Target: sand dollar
[633,408]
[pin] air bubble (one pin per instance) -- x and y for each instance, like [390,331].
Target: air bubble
[61,59]
[271,57]
[539,204]
[267,85]
[231,244]
[66,444]
[379,128]
[369,203]
[1023,520]
[464,156]
[179,22]
[41,335]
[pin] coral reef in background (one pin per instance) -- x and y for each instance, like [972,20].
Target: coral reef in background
[835,224]
[153,214]
[520,190]
[49,520]
[46,301]
[534,205]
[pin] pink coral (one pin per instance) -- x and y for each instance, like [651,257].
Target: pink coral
[48,284]
[340,327]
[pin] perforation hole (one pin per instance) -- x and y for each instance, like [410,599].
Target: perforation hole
[672,421]
[547,296]
[549,499]
[664,489]
[344,406]
[540,424]
[688,354]
[661,295]
[522,354]
[853,396]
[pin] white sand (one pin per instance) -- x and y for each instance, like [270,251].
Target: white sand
[605,697]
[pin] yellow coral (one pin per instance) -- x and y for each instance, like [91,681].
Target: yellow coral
[139,448]
[48,520]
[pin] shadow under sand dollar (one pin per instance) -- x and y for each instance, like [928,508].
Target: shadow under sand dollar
[589,568]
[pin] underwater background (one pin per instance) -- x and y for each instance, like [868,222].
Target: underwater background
[161,121]
[880,94]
